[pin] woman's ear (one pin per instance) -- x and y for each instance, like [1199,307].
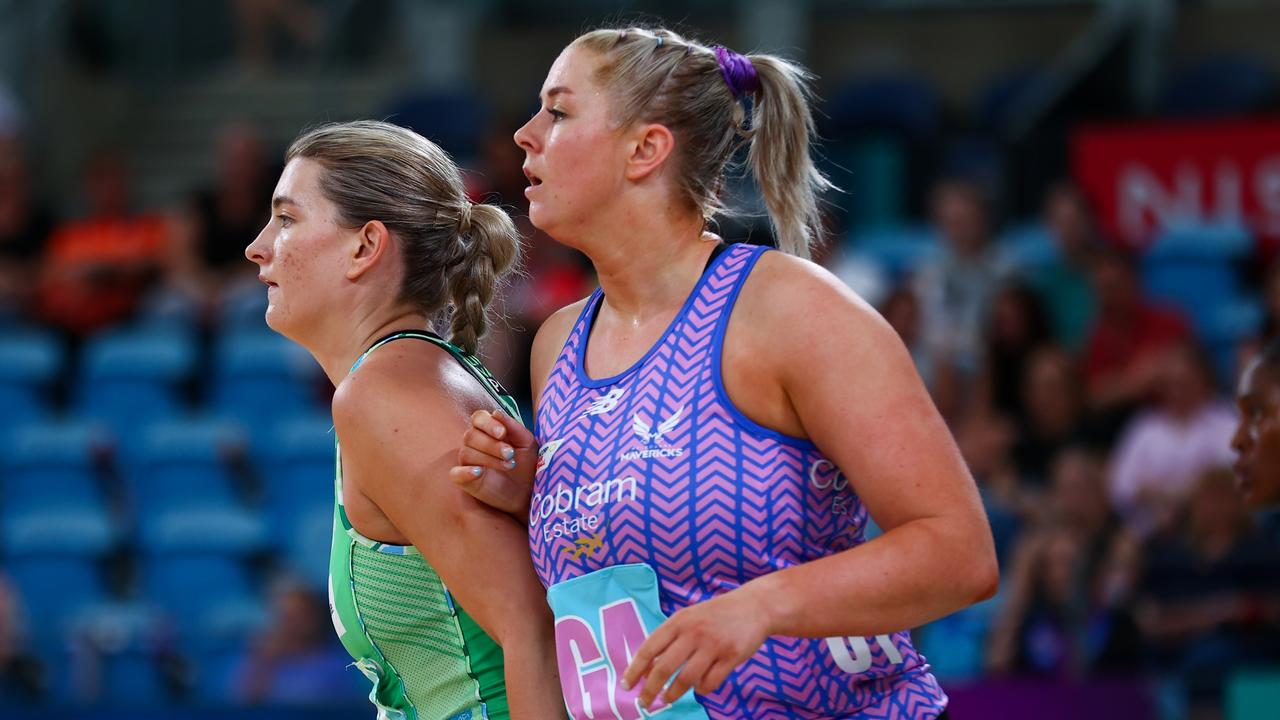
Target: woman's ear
[367,248]
[650,146]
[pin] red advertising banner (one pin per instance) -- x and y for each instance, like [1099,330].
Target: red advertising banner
[1143,177]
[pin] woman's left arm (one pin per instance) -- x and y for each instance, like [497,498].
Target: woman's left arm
[853,388]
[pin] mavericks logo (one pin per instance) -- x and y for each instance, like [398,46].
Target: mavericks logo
[652,439]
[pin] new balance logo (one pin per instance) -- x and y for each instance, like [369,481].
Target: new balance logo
[652,438]
[606,402]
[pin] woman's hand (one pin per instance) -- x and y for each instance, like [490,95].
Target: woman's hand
[703,642]
[496,462]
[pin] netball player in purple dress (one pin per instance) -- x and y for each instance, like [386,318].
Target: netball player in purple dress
[717,425]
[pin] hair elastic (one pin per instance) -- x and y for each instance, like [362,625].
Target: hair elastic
[738,72]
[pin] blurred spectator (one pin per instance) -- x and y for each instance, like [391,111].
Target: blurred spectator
[24,229]
[257,23]
[1209,598]
[1017,327]
[955,290]
[1124,354]
[1164,449]
[1054,417]
[1064,282]
[1069,584]
[1053,625]
[219,221]
[19,673]
[985,440]
[95,270]
[297,660]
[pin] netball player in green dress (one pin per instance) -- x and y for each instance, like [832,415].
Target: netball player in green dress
[371,239]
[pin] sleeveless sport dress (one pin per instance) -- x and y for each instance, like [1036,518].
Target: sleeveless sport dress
[654,492]
[427,659]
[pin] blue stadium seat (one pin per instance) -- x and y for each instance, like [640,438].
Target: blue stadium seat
[1027,245]
[1192,266]
[1196,287]
[297,467]
[216,672]
[29,362]
[51,500]
[55,590]
[956,644]
[1209,241]
[312,535]
[209,595]
[1224,85]
[262,375]
[133,377]
[184,490]
[243,307]
[123,639]
[898,249]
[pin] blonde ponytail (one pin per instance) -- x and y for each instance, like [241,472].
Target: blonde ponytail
[781,129]
[490,247]
[698,93]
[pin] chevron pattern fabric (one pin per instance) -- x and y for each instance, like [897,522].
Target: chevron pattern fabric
[656,466]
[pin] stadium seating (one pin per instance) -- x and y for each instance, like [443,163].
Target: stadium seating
[185,490]
[260,375]
[135,376]
[1192,267]
[51,499]
[30,360]
[1223,85]
[297,471]
[118,652]
[1026,245]
[898,249]
[56,589]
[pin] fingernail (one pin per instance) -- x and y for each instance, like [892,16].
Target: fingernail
[508,453]
[497,430]
[477,471]
[626,684]
[511,464]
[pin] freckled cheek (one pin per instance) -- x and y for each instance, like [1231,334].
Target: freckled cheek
[287,268]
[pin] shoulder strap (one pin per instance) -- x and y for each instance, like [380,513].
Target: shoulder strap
[469,362]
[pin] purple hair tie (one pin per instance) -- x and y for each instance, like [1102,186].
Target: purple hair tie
[738,72]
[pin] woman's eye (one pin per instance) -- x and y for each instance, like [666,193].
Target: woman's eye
[285,220]
[557,114]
